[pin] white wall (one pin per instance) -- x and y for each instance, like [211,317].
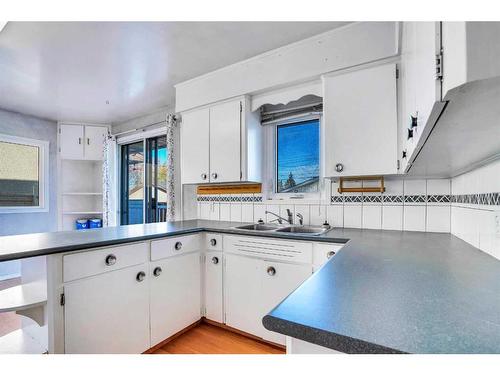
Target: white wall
[473,211]
[20,125]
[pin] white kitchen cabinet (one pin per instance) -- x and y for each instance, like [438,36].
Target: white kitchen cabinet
[360,121]
[225,145]
[195,146]
[108,313]
[278,281]
[81,142]
[253,287]
[243,293]
[421,85]
[94,142]
[71,141]
[175,295]
[213,289]
[221,143]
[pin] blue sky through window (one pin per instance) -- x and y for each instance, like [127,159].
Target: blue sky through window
[297,155]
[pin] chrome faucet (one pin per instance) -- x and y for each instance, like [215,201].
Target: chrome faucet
[281,219]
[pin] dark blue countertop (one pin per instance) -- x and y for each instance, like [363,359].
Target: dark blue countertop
[385,291]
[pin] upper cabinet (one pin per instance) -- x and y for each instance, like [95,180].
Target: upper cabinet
[360,122]
[81,142]
[221,143]
[421,73]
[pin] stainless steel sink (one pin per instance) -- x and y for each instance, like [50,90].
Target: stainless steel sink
[305,229]
[259,227]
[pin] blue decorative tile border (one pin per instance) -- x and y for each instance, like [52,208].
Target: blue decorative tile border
[229,198]
[490,199]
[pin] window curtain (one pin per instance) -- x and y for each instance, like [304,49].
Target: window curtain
[109,148]
[171,124]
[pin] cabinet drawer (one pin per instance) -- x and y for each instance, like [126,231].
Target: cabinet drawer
[293,251]
[175,246]
[323,252]
[213,242]
[94,262]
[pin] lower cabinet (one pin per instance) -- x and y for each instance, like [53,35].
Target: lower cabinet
[175,295]
[214,309]
[108,313]
[254,286]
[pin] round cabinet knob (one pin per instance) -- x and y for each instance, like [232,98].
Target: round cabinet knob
[339,167]
[214,176]
[110,260]
[157,271]
[213,242]
[178,245]
[203,176]
[330,254]
[215,260]
[140,276]
[271,271]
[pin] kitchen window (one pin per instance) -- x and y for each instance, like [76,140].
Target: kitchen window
[297,157]
[23,174]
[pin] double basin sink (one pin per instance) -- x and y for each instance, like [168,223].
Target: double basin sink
[291,229]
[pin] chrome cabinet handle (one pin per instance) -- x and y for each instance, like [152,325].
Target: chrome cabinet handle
[203,176]
[178,245]
[88,141]
[271,271]
[141,276]
[214,176]
[339,167]
[215,260]
[110,260]
[330,254]
[213,242]
[157,271]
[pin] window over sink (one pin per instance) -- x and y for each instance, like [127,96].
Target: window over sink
[297,157]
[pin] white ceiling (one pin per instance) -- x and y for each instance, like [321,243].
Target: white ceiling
[68,70]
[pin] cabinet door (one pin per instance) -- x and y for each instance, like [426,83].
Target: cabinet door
[213,286]
[195,147]
[225,142]
[94,142]
[108,313]
[71,141]
[175,295]
[428,87]
[360,119]
[243,293]
[278,281]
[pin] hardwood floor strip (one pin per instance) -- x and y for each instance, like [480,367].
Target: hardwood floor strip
[205,338]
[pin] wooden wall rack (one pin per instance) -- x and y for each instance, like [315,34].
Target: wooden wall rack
[229,189]
[375,189]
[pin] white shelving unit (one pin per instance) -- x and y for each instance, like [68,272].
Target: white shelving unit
[20,342]
[80,177]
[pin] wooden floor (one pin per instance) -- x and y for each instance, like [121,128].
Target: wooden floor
[208,339]
[9,321]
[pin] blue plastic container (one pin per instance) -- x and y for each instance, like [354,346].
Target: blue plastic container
[82,224]
[95,223]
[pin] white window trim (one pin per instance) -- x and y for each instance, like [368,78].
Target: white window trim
[43,169]
[271,157]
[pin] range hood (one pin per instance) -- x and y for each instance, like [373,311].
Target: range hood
[463,132]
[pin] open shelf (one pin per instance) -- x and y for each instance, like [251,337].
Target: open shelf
[23,297]
[19,342]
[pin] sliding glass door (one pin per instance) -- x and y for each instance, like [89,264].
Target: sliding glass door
[143,190]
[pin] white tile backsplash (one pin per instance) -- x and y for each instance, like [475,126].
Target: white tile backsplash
[225,212]
[438,187]
[304,210]
[247,213]
[372,216]
[236,211]
[438,218]
[414,218]
[335,215]
[353,215]
[392,217]
[317,214]
[259,212]
[414,187]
